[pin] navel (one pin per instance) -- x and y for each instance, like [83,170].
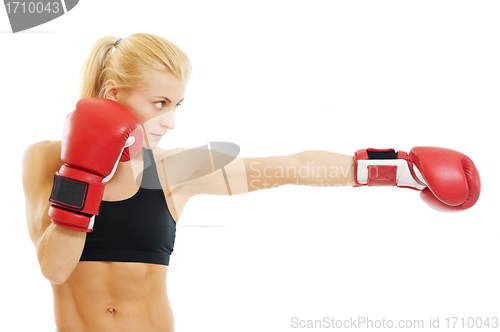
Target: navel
[111,310]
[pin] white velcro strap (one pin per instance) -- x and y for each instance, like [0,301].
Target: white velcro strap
[91,223]
[404,177]
[129,142]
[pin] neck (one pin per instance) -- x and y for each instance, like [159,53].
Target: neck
[127,170]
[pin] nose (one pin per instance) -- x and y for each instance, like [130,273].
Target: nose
[168,121]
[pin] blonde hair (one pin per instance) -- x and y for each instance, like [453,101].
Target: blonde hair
[125,61]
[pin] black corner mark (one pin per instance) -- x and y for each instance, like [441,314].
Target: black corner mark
[26,14]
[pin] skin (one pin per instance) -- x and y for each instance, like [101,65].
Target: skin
[118,296]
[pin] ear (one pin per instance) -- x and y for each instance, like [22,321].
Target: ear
[110,90]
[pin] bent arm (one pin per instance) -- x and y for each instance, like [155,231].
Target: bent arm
[58,249]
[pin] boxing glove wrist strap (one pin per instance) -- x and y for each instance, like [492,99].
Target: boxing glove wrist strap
[80,192]
[386,167]
[70,219]
[75,198]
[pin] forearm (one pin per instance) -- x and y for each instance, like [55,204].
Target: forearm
[59,250]
[324,168]
[314,168]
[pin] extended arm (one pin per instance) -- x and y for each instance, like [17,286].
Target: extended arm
[242,175]
[447,178]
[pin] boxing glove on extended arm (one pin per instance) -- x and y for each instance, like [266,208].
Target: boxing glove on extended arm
[447,179]
[98,134]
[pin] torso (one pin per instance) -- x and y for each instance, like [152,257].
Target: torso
[113,296]
[116,296]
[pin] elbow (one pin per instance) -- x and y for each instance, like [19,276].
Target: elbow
[54,269]
[54,274]
[56,265]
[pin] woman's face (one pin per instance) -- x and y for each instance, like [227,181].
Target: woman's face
[154,103]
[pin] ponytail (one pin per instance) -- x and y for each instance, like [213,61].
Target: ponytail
[92,74]
[124,61]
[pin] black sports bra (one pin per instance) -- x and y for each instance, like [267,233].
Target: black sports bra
[137,229]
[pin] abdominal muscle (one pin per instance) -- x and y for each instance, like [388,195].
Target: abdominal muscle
[114,296]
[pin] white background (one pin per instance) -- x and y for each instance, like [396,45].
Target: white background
[278,77]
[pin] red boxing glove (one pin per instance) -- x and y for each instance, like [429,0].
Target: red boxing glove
[98,134]
[447,179]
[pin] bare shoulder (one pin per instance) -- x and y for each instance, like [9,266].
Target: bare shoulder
[162,154]
[44,153]
[40,161]
[43,149]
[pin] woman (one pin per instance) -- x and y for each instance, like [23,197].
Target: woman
[110,274]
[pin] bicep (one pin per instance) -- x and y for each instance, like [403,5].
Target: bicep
[190,172]
[243,175]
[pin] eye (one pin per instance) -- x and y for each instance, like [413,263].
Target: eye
[159,104]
